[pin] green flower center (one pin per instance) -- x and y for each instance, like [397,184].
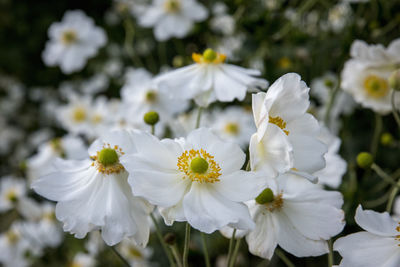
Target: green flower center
[199,165]
[232,128]
[151,96]
[69,37]
[107,156]
[266,196]
[172,6]
[376,87]
[209,55]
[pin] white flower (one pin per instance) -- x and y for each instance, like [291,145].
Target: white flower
[73,41]
[197,179]
[40,164]
[83,260]
[94,194]
[281,114]
[135,255]
[296,215]
[172,18]
[335,166]
[12,191]
[140,95]
[339,16]
[365,75]
[210,79]
[13,247]
[378,245]
[95,243]
[234,124]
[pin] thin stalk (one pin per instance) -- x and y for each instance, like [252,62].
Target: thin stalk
[230,250]
[332,98]
[206,257]
[394,110]
[393,193]
[153,130]
[235,252]
[381,173]
[175,253]
[128,43]
[199,112]
[377,134]
[283,257]
[125,262]
[186,246]
[161,239]
[330,254]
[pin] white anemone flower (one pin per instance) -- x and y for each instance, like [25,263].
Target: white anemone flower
[234,124]
[12,191]
[378,245]
[73,41]
[365,75]
[296,215]
[172,18]
[83,260]
[135,255]
[94,193]
[335,166]
[69,147]
[282,113]
[210,79]
[197,179]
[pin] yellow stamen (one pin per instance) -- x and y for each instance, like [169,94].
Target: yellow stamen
[219,58]
[69,37]
[49,216]
[232,128]
[151,96]
[210,175]
[135,253]
[397,237]
[276,203]
[11,195]
[79,114]
[278,121]
[375,86]
[172,6]
[108,167]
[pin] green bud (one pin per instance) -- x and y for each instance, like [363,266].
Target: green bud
[178,61]
[151,117]
[107,156]
[199,165]
[266,196]
[387,139]
[365,160]
[209,55]
[394,80]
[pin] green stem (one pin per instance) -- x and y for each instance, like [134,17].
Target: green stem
[153,130]
[206,257]
[332,98]
[231,246]
[386,177]
[176,255]
[283,257]
[235,252]
[161,239]
[394,110]
[186,246]
[393,193]
[377,134]
[199,112]
[125,262]
[330,254]
[128,43]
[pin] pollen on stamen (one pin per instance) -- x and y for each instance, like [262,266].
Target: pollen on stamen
[278,121]
[211,171]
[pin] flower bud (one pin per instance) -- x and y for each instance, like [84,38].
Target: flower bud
[365,160]
[394,80]
[170,239]
[151,117]
[387,139]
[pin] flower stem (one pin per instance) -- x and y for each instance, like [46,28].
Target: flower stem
[394,111]
[231,246]
[206,257]
[153,130]
[393,193]
[186,246]
[200,110]
[377,133]
[386,177]
[283,257]
[332,98]
[235,252]
[161,239]
[176,255]
[330,254]
[128,43]
[126,263]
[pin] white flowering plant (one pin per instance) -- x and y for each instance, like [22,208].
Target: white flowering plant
[198,133]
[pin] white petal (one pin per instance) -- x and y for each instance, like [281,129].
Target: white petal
[376,223]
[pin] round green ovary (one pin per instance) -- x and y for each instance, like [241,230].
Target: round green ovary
[199,165]
[209,55]
[266,196]
[108,156]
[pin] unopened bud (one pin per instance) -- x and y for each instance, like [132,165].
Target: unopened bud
[387,139]
[151,118]
[365,160]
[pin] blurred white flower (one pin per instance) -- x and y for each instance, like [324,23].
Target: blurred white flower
[94,194]
[282,113]
[222,22]
[12,190]
[83,260]
[365,75]
[335,166]
[197,179]
[73,41]
[210,79]
[233,124]
[69,147]
[135,255]
[172,18]
[378,245]
[296,215]
[95,243]
[339,16]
